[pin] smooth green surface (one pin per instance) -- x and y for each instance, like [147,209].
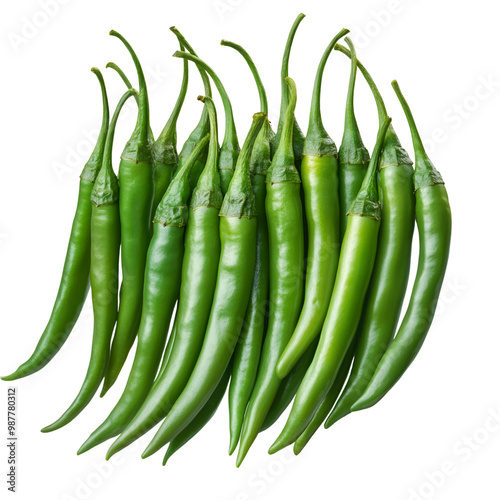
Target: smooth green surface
[238,235]
[288,388]
[104,260]
[198,279]
[327,403]
[161,291]
[247,353]
[201,419]
[357,258]
[232,292]
[353,156]
[320,183]
[286,257]
[392,265]
[433,217]
[136,179]
[75,280]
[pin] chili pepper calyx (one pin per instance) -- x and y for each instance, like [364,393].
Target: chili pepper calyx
[172,209]
[93,165]
[425,172]
[352,149]
[138,148]
[105,190]
[164,149]
[365,208]
[283,168]
[208,192]
[239,200]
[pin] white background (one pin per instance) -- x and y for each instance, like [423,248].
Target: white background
[445,412]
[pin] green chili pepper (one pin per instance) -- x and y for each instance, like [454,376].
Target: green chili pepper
[199,275]
[136,200]
[392,265]
[286,257]
[201,419]
[75,280]
[229,149]
[247,353]
[353,156]
[161,290]
[203,126]
[433,216]
[319,174]
[327,403]
[104,262]
[165,147]
[238,232]
[357,258]
[288,388]
[127,83]
[298,136]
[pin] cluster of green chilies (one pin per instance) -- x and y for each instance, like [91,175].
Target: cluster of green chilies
[285,263]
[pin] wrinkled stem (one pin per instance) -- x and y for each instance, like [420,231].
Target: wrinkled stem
[382,112]
[105,112]
[143,114]
[315,115]
[213,147]
[417,141]
[368,189]
[169,130]
[350,119]
[230,128]
[285,148]
[108,149]
[123,76]
[284,63]
[204,77]
[255,73]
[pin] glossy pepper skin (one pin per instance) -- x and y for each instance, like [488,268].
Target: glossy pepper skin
[201,419]
[136,179]
[238,233]
[203,126]
[433,216]
[320,183]
[229,149]
[104,261]
[392,265]
[198,280]
[286,257]
[164,149]
[247,353]
[75,279]
[357,258]
[168,349]
[288,387]
[326,405]
[161,291]
[353,156]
